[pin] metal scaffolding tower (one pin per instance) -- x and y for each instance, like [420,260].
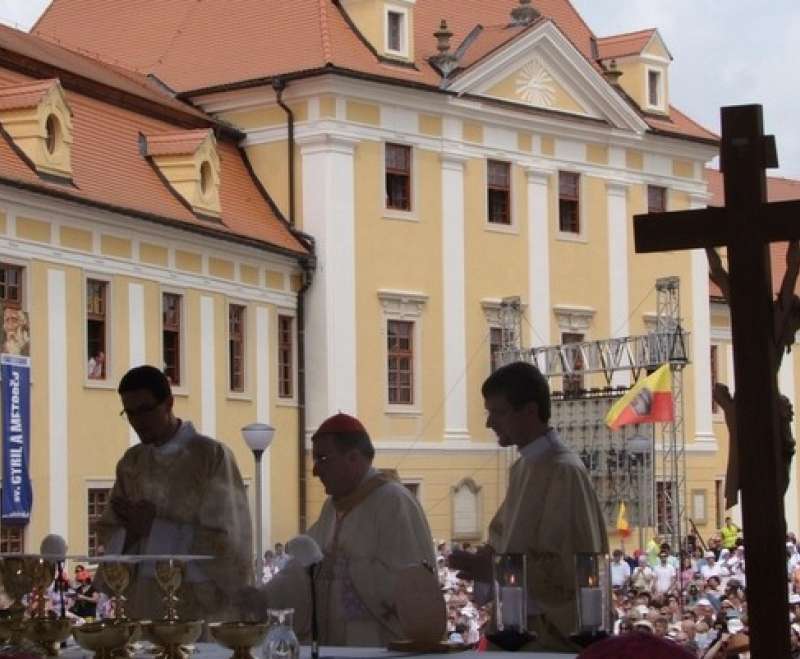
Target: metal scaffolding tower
[667,343]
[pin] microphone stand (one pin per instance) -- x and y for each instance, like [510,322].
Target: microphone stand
[314,624]
[61,587]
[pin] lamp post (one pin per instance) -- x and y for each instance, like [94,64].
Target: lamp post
[258,437]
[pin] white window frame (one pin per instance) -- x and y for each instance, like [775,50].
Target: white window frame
[414,480]
[404,30]
[395,213]
[183,388]
[661,91]
[290,313]
[110,380]
[513,225]
[249,330]
[92,484]
[704,493]
[568,236]
[405,306]
[477,490]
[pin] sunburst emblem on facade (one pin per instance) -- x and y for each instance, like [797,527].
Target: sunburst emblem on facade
[535,85]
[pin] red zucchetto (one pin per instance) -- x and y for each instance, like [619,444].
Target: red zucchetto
[635,646]
[340,424]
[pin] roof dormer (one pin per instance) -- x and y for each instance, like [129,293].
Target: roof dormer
[37,118]
[387,24]
[189,162]
[641,60]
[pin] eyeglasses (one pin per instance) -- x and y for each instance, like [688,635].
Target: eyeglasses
[141,411]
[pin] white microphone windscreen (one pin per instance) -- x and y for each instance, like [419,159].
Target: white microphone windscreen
[305,550]
[53,545]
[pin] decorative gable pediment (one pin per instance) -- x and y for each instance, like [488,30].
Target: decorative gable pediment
[541,68]
[188,161]
[37,118]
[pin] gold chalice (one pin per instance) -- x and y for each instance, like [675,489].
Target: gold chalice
[169,576]
[117,577]
[106,638]
[17,582]
[240,637]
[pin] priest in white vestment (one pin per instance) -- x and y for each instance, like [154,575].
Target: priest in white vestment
[177,492]
[550,512]
[371,529]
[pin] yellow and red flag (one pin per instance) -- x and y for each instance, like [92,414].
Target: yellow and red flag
[623,528]
[649,400]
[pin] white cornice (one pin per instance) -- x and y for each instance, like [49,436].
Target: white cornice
[547,38]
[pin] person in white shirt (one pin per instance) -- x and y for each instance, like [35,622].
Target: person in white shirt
[643,576]
[620,570]
[666,576]
[711,568]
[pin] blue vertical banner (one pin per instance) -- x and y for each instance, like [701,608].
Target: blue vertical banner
[15,372]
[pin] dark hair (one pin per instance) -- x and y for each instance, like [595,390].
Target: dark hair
[520,383]
[348,441]
[146,377]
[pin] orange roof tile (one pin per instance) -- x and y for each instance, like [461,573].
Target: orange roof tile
[25,95]
[197,46]
[622,45]
[778,189]
[109,171]
[679,125]
[183,142]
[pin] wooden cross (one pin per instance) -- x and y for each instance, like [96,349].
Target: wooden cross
[746,226]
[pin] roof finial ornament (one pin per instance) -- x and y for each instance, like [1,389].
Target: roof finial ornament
[446,62]
[524,14]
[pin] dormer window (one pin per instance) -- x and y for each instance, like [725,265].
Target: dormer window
[36,116]
[655,89]
[396,30]
[189,162]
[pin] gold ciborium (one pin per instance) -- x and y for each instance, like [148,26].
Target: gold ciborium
[18,583]
[106,638]
[48,633]
[240,637]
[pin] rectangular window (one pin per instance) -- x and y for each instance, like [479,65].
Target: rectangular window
[398,177]
[394,31]
[171,304]
[285,357]
[573,383]
[412,487]
[499,191]
[236,319]
[656,199]
[568,205]
[400,371]
[12,539]
[495,346]
[654,88]
[97,502]
[11,285]
[714,375]
[96,324]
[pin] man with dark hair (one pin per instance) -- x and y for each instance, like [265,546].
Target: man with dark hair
[550,512]
[177,492]
[371,531]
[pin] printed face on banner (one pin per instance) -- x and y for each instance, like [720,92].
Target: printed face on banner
[15,335]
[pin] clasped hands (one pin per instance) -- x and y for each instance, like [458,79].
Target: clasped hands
[472,566]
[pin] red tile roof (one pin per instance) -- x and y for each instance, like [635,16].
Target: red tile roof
[26,95]
[197,45]
[109,170]
[183,142]
[622,45]
[778,189]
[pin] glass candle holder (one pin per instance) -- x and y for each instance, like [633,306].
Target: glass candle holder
[511,592]
[593,593]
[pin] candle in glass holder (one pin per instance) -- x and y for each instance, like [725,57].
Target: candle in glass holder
[511,606]
[591,606]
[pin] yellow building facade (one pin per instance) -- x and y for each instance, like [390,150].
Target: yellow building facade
[439,170]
